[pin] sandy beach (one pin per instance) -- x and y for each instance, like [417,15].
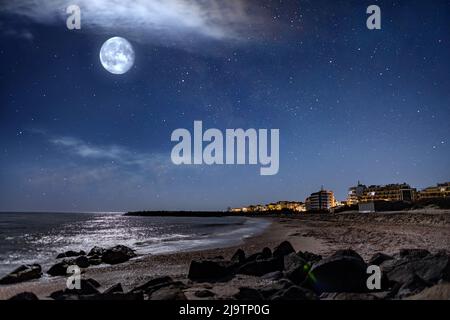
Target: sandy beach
[321,234]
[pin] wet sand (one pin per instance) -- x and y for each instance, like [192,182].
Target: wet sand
[320,234]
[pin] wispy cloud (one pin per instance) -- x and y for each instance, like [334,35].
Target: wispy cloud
[166,20]
[120,155]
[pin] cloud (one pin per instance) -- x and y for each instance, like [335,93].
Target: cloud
[119,155]
[164,20]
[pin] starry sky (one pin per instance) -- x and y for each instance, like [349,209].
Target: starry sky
[351,103]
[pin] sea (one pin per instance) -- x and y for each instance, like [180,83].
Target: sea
[27,238]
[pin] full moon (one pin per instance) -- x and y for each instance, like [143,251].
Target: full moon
[117,55]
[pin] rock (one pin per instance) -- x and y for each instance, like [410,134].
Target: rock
[70,253]
[295,293]
[238,257]
[205,270]
[283,249]
[93,282]
[204,294]
[97,251]
[378,258]
[23,273]
[276,275]
[348,253]
[261,267]
[338,273]
[266,253]
[168,293]
[430,268]
[275,287]
[414,253]
[86,292]
[27,296]
[248,294]
[59,269]
[309,257]
[82,262]
[411,287]
[117,288]
[155,282]
[296,268]
[117,254]
[94,260]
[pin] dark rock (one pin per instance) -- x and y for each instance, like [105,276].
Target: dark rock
[59,269]
[23,273]
[204,294]
[296,268]
[93,282]
[70,253]
[261,267]
[413,286]
[414,253]
[117,288]
[283,249]
[205,270]
[309,257]
[378,258]
[275,287]
[295,293]
[82,262]
[348,253]
[338,273]
[97,251]
[87,291]
[94,260]
[248,294]
[117,254]
[266,253]
[24,296]
[276,275]
[430,268]
[238,257]
[157,283]
[168,293]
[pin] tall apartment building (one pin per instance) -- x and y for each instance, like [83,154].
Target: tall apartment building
[441,190]
[390,192]
[355,193]
[322,200]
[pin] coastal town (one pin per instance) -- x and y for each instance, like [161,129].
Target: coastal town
[360,197]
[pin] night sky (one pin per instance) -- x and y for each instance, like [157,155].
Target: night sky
[351,103]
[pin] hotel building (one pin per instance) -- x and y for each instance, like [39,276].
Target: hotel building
[322,200]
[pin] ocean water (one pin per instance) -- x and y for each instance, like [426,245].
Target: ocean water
[39,237]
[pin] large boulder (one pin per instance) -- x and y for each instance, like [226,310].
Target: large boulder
[24,296]
[296,268]
[209,270]
[238,257]
[60,268]
[338,273]
[96,251]
[283,249]
[70,253]
[118,254]
[430,268]
[261,267]
[23,273]
[87,291]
